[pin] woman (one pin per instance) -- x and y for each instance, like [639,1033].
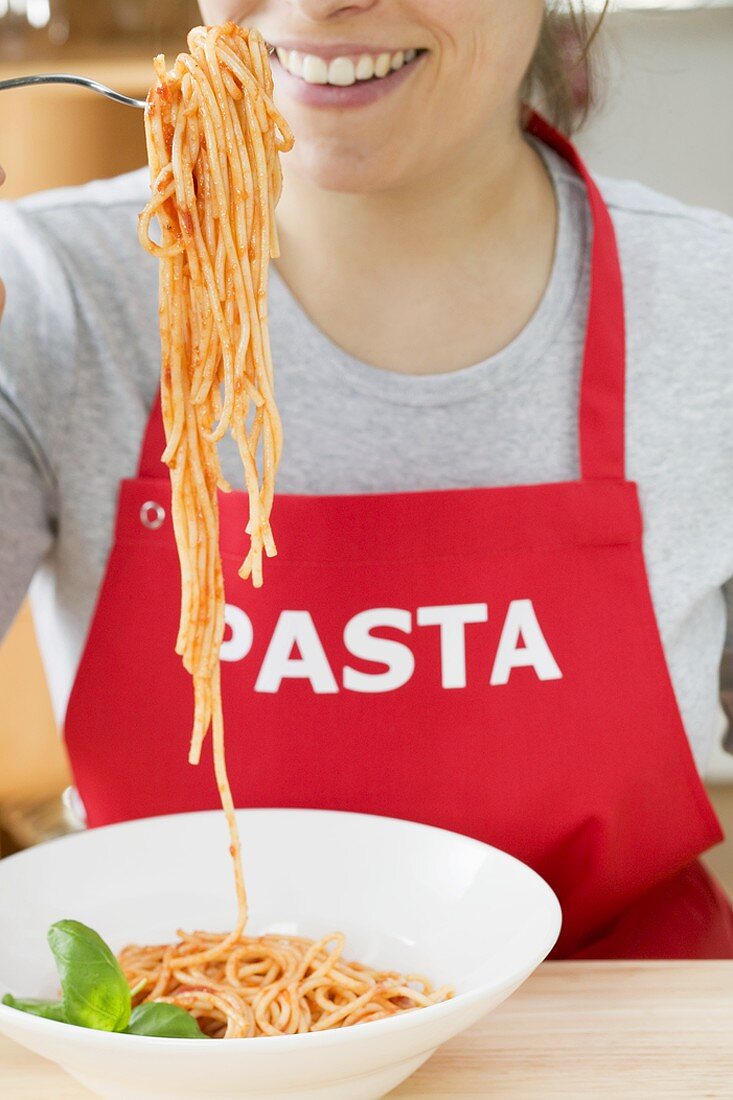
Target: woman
[459,627]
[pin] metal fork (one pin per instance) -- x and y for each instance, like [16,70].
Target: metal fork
[81,81]
[68,78]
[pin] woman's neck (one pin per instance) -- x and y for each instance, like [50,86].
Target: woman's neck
[426,278]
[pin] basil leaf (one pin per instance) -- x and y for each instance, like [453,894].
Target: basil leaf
[95,990]
[164,1020]
[49,1010]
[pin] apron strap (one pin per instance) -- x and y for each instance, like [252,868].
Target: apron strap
[601,414]
[153,445]
[602,388]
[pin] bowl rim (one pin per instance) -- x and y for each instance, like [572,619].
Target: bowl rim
[508,976]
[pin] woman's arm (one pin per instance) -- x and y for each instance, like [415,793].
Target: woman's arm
[27,508]
[34,390]
[32,402]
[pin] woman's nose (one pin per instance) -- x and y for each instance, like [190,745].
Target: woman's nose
[320,11]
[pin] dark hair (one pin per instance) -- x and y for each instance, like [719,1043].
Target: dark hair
[563,79]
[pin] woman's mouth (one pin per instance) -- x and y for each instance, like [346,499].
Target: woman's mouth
[343,76]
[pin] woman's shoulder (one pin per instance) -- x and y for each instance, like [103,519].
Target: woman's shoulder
[70,236]
[648,218]
[129,189]
[78,285]
[677,265]
[76,226]
[651,222]
[671,251]
[677,268]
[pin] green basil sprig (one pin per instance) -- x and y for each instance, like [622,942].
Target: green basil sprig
[164,1020]
[95,991]
[50,1010]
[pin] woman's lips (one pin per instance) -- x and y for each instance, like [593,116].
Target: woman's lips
[359,94]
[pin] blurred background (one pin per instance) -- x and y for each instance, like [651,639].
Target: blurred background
[665,119]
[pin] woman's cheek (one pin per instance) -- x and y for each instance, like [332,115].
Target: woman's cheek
[482,48]
[484,21]
[222,11]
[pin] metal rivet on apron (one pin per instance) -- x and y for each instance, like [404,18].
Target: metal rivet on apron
[152,515]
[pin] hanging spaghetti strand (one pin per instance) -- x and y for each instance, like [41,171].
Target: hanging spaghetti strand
[214,137]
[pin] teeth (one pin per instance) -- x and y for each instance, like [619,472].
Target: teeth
[383,64]
[315,70]
[365,67]
[343,71]
[294,63]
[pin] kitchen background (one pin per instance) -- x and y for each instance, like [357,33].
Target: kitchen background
[666,119]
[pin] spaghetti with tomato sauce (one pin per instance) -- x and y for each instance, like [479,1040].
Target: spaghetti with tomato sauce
[214,137]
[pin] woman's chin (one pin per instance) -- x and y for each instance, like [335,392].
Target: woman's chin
[334,166]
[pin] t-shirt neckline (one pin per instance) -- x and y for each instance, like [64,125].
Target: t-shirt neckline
[335,367]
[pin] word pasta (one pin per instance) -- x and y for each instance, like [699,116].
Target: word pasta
[295,650]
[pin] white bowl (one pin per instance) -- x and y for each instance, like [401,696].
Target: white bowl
[409,897]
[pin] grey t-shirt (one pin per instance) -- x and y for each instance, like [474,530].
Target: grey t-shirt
[79,359]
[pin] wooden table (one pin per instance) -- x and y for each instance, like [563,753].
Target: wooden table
[575,1030]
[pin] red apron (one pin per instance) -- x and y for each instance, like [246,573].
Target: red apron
[484,660]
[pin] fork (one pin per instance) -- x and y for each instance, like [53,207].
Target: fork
[81,81]
[68,78]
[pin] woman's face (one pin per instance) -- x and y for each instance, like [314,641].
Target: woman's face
[463,62]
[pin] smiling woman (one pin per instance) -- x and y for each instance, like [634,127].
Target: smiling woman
[466,63]
[562,74]
[501,514]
